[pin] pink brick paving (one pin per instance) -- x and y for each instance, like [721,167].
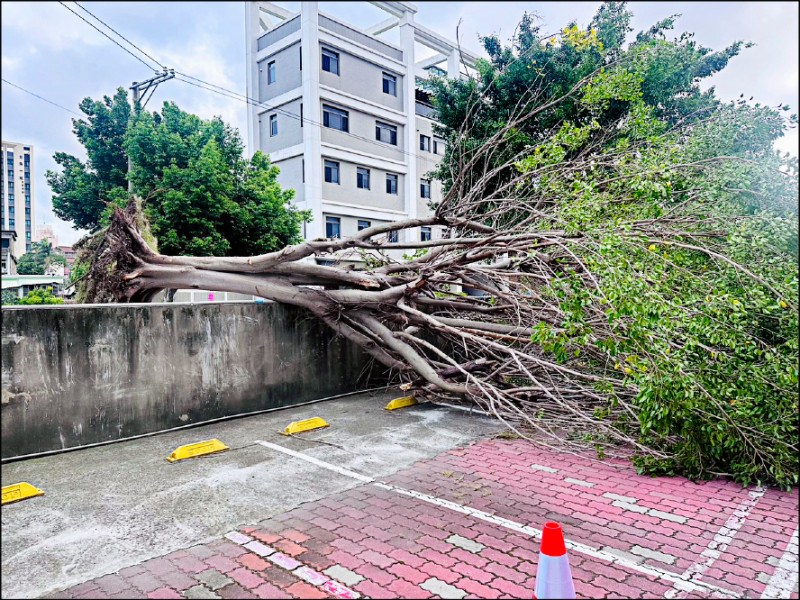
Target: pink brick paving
[376,543]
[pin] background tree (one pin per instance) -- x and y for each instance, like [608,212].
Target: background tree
[40,296]
[41,256]
[202,196]
[538,68]
[639,279]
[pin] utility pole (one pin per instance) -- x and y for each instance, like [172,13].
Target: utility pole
[140,89]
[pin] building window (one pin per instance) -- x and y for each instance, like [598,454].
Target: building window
[435,147]
[386,133]
[330,61]
[335,118]
[424,188]
[425,143]
[270,72]
[392,237]
[424,234]
[364,225]
[300,52]
[331,172]
[27,224]
[391,184]
[332,227]
[28,211]
[303,169]
[10,186]
[11,223]
[273,125]
[389,84]
[362,178]
[301,114]
[10,211]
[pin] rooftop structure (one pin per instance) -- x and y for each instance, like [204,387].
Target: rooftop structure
[340,114]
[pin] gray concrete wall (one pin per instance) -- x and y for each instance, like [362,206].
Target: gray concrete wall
[291,177]
[290,132]
[287,73]
[74,375]
[362,125]
[362,78]
[347,190]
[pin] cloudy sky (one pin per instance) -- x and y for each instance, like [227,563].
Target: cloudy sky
[49,51]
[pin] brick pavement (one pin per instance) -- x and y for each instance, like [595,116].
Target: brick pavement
[631,536]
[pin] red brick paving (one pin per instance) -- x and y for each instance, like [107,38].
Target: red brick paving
[392,543]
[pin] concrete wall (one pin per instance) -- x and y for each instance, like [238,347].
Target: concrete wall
[362,125]
[290,131]
[287,73]
[74,375]
[362,78]
[347,189]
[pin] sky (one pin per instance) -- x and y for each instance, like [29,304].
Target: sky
[48,50]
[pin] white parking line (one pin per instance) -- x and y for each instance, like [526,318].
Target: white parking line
[783,580]
[681,582]
[720,542]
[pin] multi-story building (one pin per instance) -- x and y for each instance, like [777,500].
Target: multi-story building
[340,113]
[16,199]
[45,232]
[70,254]
[9,259]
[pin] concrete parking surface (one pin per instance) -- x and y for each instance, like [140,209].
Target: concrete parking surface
[424,502]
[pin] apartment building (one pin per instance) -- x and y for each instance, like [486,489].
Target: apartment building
[16,193]
[340,113]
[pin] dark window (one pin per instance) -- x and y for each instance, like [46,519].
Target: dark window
[335,118]
[300,52]
[389,84]
[331,172]
[26,148]
[27,224]
[10,186]
[332,227]
[303,168]
[273,125]
[330,61]
[28,212]
[392,237]
[301,114]
[10,211]
[386,133]
[435,147]
[424,234]
[11,223]
[364,225]
[425,143]
[11,174]
[424,188]
[391,183]
[270,72]
[362,178]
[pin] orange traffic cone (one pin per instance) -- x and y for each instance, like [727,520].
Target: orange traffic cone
[553,575]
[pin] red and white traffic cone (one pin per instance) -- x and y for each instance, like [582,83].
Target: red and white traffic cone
[553,575]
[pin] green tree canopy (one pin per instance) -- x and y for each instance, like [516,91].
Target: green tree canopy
[539,69]
[42,255]
[201,196]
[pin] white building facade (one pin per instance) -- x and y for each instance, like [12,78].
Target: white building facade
[338,111]
[16,194]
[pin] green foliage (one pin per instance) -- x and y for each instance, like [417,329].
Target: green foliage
[540,69]
[40,296]
[41,255]
[202,197]
[702,339]
[9,297]
[81,190]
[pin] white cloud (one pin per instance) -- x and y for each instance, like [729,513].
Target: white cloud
[50,24]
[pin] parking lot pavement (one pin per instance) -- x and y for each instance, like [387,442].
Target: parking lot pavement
[107,508]
[466,523]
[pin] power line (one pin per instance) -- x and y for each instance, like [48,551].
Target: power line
[106,35]
[78,4]
[40,98]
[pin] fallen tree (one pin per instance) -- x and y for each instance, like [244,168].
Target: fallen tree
[633,286]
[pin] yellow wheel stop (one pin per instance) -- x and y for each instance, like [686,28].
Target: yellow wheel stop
[307,425]
[198,449]
[401,403]
[20,491]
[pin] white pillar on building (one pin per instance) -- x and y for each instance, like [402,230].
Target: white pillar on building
[410,143]
[252,27]
[312,136]
[453,66]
